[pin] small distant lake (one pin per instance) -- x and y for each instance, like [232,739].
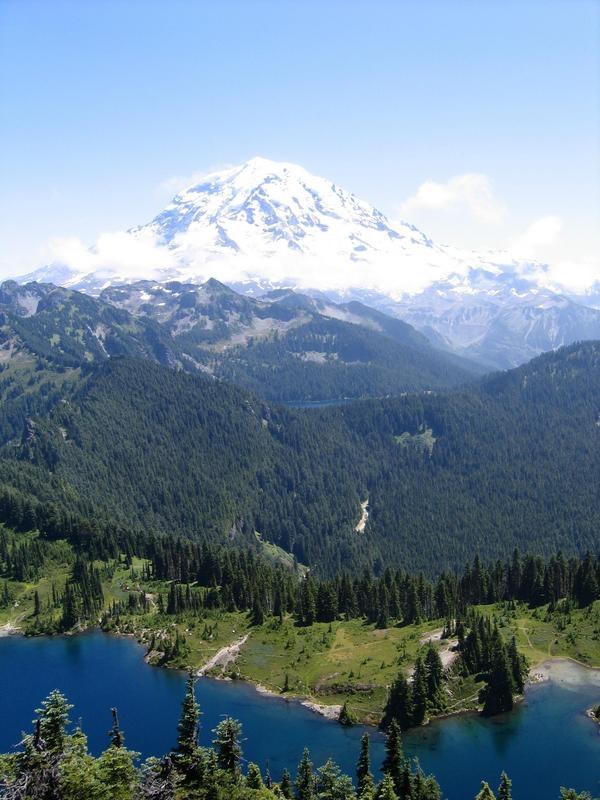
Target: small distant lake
[317,403]
[546,743]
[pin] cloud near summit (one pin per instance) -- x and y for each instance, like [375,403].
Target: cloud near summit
[472,192]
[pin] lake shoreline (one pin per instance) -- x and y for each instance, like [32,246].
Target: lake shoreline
[540,674]
[97,672]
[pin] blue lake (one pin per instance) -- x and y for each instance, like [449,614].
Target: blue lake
[546,743]
[317,403]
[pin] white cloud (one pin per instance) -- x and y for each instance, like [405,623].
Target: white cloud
[124,253]
[542,233]
[575,276]
[473,192]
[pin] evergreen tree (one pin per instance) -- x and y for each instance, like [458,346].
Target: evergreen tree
[70,614]
[346,717]
[253,777]
[117,772]
[505,788]
[386,789]
[419,692]
[498,694]
[400,704]
[187,728]
[394,754]
[485,792]
[363,767]
[227,744]
[518,666]
[37,607]
[79,774]
[285,786]
[258,612]
[330,784]
[434,677]
[305,779]
[53,721]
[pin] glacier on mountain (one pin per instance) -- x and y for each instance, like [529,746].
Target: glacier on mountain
[266,225]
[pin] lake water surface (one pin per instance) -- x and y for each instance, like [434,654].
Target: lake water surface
[546,743]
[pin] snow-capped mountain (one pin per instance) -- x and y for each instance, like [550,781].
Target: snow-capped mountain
[266,225]
[270,224]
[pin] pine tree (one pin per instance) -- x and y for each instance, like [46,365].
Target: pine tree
[386,789]
[227,744]
[253,777]
[505,788]
[363,767]
[419,692]
[37,607]
[286,785]
[305,779]
[331,784]
[498,693]
[400,705]
[518,666]
[117,772]
[485,792]
[346,717]
[70,613]
[434,677]
[187,736]
[258,613]
[394,754]
[53,721]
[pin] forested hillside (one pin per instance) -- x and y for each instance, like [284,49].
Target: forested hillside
[284,347]
[166,451]
[329,359]
[514,461]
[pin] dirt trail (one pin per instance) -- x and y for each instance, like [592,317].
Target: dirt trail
[223,657]
[525,631]
[448,653]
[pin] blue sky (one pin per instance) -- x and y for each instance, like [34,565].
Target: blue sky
[107,106]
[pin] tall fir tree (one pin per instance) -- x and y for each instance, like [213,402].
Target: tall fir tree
[363,767]
[419,692]
[285,787]
[394,754]
[227,745]
[505,788]
[189,722]
[305,779]
[498,694]
[400,703]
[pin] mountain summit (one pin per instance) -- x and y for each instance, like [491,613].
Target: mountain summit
[268,225]
[273,224]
